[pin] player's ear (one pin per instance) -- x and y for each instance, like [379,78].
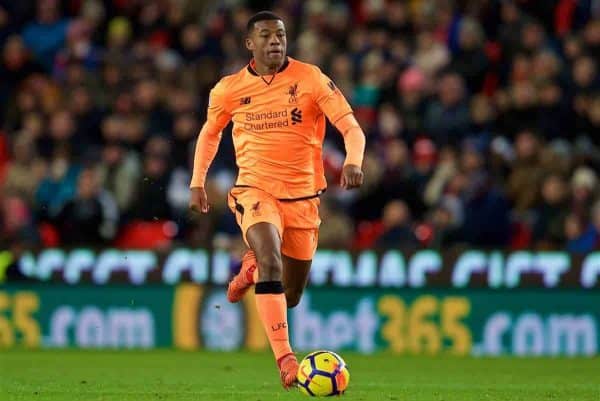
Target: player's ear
[249,44]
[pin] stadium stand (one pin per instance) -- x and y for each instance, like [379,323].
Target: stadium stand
[482,120]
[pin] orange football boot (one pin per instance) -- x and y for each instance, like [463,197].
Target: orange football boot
[288,370]
[240,284]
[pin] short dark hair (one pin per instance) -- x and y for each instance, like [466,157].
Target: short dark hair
[261,16]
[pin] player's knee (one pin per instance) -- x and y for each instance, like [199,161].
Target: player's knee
[292,297]
[269,266]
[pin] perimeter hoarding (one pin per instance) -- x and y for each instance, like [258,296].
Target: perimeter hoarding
[427,268]
[191,316]
[86,316]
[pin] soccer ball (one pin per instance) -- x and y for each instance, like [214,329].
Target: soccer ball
[323,373]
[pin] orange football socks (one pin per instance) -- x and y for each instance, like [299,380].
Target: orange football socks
[272,309]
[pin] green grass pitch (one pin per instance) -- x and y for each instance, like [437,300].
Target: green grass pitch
[174,375]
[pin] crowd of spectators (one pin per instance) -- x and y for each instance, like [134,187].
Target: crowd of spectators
[482,119]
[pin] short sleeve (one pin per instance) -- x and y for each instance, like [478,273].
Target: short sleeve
[217,112]
[330,99]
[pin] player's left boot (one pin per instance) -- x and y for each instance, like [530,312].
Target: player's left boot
[242,282]
[288,370]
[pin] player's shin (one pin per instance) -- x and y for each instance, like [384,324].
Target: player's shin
[272,309]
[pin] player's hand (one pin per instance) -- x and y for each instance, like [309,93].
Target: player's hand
[199,200]
[352,177]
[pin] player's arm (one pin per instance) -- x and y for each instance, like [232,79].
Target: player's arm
[354,142]
[334,105]
[217,118]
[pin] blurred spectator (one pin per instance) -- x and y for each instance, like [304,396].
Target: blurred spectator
[342,72]
[424,159]
[154,182]
[79,49]
[584,75]
[483,118]
[17,224]
[338,232]
[533,37]
[87,115]
[62,133]
[487,220]
[411,101]
[46,35]
[470,61]
[59,185]
[446,219]
[430,56]
[584,184]
[519,112]
[25,171]
[397,227]
[119,170]
[511,24]
[557,157]
[447,118]
[527,173]
[15,66]
[148,102]
[185,131]
[550,214]
[118,37]
[580,239]
[591,35]
[572,48]
[554,117]
[91,217]
[444,171]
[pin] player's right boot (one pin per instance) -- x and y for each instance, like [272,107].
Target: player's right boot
[242,282]
[288,370]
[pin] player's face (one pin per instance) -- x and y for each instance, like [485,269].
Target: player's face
[268,42]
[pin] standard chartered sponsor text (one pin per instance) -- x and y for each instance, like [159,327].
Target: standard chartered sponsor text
[266,120]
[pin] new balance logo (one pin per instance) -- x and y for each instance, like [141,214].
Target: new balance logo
[279,326]
[245,100]
[296,116]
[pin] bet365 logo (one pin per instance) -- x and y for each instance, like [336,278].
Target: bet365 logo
[296,116]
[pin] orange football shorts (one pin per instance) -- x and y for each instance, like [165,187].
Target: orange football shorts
[296,221]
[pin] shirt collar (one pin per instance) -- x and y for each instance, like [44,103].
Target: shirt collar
[252,70]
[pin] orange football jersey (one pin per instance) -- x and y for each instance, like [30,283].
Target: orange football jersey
[278,126]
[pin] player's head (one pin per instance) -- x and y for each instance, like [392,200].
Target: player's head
[265,38]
